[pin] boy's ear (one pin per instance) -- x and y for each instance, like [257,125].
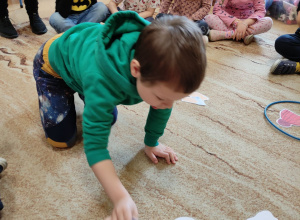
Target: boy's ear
[135,68]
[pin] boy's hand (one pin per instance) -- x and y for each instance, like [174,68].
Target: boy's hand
[124,209]
[161,151]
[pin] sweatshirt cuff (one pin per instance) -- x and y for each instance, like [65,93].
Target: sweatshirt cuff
[150,140]
[94,157]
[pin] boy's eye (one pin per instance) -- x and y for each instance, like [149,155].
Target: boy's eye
[159,98]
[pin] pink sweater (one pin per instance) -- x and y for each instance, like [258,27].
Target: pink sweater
[193,9]
[229,10]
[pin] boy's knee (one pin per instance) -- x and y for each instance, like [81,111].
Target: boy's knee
[64,133]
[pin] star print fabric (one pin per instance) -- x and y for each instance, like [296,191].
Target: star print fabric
[55,97]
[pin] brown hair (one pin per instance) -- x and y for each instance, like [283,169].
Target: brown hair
[171,50]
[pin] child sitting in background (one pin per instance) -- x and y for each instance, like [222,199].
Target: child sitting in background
[288,46]
[238,20]
[145,8]
[193,10]
[69,13]
[125,61]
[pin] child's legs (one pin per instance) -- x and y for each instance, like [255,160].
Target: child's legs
[56,103]
[262,25]
[96,13]
[59,23]
[203,26]
[215,23]
[288,46]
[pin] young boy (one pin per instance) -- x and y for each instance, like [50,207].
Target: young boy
[69,13]
[124,61]
[288,46]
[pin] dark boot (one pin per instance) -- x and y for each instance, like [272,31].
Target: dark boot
[7,29]
[36,23]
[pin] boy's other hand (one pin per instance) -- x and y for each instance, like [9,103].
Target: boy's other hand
[124,209]
[161,151]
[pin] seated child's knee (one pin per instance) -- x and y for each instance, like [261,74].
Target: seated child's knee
[280,43]
[101,8]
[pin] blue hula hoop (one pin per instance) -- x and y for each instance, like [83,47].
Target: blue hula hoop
[273,103]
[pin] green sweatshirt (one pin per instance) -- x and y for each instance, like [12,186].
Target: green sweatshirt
[94,60]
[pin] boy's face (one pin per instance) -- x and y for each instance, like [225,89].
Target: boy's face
[159,95]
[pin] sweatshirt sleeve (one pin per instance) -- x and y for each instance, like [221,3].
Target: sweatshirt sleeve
[219,10]
[97,118]
[155,125]
[164,6]
[203,11]
[259,9]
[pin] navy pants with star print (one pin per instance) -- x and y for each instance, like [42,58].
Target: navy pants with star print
[56,104]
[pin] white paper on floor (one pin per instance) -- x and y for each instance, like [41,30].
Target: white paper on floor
[263,215]
[196,98]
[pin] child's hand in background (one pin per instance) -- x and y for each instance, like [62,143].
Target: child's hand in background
[161,151]
[250,30]
[240,31]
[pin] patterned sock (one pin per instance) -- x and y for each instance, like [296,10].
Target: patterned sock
[229,34]
[215,35]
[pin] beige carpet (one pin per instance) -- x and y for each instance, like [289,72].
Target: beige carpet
[232,162]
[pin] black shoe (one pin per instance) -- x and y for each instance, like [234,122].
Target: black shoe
[37,25]
[7,29]
[284,67]
[3,164]
[1,205]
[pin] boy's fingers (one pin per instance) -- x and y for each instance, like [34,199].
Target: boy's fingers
[152,157]
[108,218]
[135,214]
[175,157]
[172,156]
[167,157]
[126,215]
[114,216]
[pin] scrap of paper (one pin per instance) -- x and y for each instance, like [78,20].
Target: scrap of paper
[288,118]
[263,215]
[196,98]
